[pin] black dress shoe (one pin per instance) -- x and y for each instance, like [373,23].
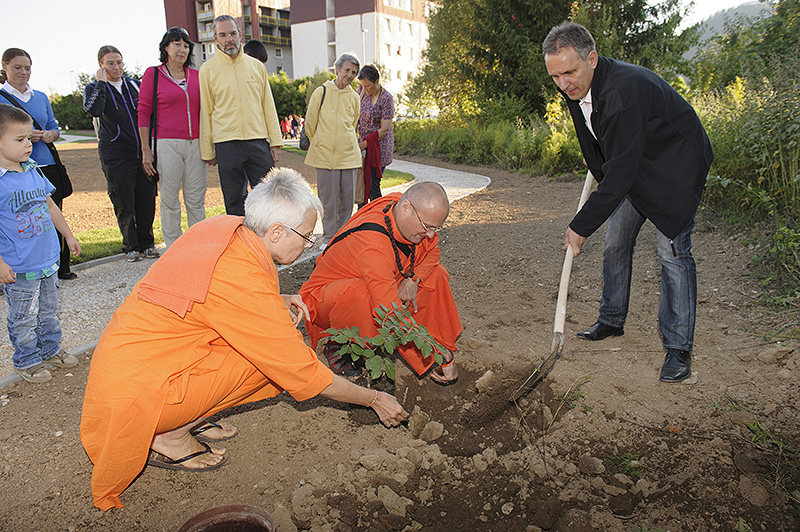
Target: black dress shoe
[600,331]
[677,366]
[67,276]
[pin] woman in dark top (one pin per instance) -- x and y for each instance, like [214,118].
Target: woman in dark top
[113,98]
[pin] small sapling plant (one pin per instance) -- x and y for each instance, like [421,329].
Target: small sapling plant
[396,327]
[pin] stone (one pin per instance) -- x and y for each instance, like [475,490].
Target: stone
[479,462]
[394,503]
[485,382]
[784,374]
[490,455]
[753,490]
[283,519]
[548,514]
[745,464]
[742,418]
[374,459]
[590,465]
[432,431]
[417,421]
[474,343]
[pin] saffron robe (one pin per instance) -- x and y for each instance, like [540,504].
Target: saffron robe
[359,273]
[204,330]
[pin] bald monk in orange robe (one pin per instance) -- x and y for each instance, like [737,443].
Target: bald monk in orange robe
[207,329]
[365,266]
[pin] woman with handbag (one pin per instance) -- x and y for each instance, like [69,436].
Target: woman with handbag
[14,76]
[330,126]
[377,113]
[169,127]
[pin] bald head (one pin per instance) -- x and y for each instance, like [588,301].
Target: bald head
[421,210]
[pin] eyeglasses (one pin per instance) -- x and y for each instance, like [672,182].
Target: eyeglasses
[176,29]
[424,227]
[309,239]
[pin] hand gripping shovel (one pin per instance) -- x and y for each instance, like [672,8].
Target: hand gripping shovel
[561,313]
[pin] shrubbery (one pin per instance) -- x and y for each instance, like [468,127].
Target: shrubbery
[536,146]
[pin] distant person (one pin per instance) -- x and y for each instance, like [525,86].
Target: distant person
[295,126]
[649,152]
[224,337]
[114,98]
[376,115]
[177,135]
[331,122]
[285,128]
[29,252]
[256,49]
[14,76]
[239,128]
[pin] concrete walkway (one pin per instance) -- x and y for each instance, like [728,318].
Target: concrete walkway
[87,303]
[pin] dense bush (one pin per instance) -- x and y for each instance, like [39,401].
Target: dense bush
[537,146]
[69,112]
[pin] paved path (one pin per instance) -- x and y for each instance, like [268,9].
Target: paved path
[86,304]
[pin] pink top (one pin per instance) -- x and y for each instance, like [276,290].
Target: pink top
[178,112]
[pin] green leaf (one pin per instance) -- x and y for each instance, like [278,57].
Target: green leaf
[375,366]
[389,367]
[419,343]
[369,353]
[377,341]
[340,338]
[426,350]
[438,358]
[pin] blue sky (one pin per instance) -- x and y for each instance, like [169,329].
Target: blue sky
[63,37]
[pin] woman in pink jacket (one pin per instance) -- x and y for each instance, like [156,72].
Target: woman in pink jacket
[175,108]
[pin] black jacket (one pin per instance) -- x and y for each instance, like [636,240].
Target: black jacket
[650,147]
[118,134]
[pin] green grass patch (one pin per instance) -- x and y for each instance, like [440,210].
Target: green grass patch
[107,241]
[392,178]
[292,149]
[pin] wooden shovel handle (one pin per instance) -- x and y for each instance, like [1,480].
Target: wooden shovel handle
[563,287]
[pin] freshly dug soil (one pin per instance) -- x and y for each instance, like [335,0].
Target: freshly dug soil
[599,445]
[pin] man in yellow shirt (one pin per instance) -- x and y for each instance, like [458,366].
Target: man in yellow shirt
[239,128]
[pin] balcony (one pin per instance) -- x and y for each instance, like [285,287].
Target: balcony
[283,23]
[205,16]
[270,39]
[285,41]
[206,36]
[246,18]
[267,21]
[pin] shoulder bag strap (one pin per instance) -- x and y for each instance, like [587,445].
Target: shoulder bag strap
[368,226]
[154,116]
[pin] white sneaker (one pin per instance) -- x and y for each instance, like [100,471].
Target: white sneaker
[133,256]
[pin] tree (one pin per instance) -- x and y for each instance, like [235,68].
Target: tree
[749,48]
[482,51]
[639,32]
[289,95]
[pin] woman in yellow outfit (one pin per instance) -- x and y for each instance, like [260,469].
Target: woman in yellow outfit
[331,121]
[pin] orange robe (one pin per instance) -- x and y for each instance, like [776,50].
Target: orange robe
[359,273]
[205,329]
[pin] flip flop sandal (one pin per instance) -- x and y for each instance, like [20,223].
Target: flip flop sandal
[198,433]
[441,374]
[340,365]
[157,459]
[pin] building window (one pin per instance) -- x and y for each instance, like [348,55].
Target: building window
[278,53]
[388,25]
[411,53]
[409,76]
[398,74]
[279,69]
[411,29]
[389,49]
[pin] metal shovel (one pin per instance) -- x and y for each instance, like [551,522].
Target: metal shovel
[561,313]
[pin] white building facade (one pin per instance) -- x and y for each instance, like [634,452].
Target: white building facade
[388,33]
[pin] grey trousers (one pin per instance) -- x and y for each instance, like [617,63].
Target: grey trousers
[336,190]
[180,166]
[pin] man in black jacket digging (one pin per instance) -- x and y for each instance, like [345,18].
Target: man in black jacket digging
[650,155]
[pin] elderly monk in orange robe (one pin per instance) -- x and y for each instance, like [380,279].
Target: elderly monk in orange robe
[206,329]
[388,252]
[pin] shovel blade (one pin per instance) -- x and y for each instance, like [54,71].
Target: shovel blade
[543,369]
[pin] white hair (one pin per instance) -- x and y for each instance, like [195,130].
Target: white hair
[283,196]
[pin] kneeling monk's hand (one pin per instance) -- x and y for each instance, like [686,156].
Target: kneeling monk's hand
[407,292]
[297,309]
[388,409]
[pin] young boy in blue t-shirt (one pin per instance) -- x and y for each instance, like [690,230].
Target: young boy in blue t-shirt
[29,251]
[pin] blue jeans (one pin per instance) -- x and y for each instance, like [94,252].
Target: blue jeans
[33,325]
[676,312]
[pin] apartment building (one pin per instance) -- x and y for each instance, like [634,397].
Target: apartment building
[389,33]
[264,20]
